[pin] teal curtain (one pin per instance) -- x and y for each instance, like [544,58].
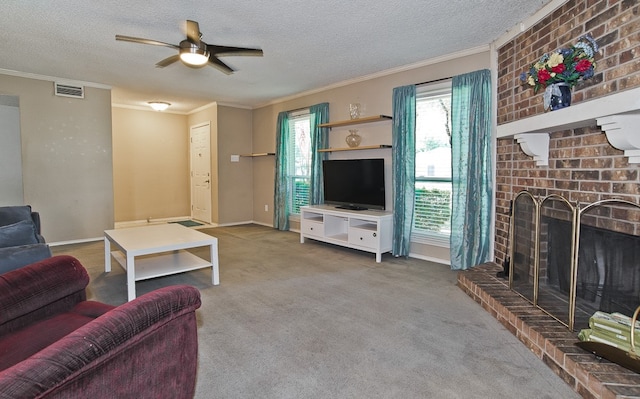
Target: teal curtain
[319,140]
[472,171]
[281,192]
[403,162]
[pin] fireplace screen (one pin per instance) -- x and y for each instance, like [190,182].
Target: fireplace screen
[572,261]
[523,225]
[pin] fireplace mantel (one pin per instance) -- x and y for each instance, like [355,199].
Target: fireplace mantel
[617,107]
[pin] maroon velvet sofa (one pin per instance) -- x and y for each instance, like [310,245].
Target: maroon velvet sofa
[56,344]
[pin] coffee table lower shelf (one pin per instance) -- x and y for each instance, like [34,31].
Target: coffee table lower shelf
[162,264]
[158,250]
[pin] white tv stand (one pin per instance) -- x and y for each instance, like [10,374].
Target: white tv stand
[368,230]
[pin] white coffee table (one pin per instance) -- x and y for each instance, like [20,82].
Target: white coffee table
[159,249]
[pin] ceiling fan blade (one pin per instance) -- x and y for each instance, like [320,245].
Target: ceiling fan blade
[193,32]
[168,61]
[223,51]
[216,63]
[145,41]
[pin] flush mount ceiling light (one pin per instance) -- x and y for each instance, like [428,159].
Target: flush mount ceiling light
[159,105]
[194,54]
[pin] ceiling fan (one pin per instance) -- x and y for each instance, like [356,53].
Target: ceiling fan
[194,52]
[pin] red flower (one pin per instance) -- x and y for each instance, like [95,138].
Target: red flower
[558,68]
[583,65]
[543,76]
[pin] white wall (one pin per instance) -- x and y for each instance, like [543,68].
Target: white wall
[150,165]
[375,96]
[10,152]
[66,158]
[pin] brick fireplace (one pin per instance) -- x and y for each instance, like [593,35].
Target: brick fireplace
[582,166]
[550,341]
[572,261]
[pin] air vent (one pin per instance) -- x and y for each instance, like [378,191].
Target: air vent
[69,90]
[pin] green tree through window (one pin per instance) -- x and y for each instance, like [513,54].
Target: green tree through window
[299,166]
[432,209]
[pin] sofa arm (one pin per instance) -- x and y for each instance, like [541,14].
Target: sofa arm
[40,290]
[146,348]
[35,216]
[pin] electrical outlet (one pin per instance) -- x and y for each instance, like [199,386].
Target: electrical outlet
[266,208]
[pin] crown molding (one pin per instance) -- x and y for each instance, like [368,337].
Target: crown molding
[231,105]
[386,72]
[202,108]
[53,79]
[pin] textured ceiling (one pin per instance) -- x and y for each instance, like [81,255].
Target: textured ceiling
[307,45]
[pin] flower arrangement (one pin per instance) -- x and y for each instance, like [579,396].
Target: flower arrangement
[566,65]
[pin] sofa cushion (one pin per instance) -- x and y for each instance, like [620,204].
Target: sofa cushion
[13,214]
[12,258]
[22,344]
[20,233]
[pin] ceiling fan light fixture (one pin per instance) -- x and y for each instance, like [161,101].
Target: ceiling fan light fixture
[193,54]
[159,105]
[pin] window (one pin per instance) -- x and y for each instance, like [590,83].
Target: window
[299,164]
[432,209]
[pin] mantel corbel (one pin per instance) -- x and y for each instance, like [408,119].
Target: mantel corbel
[535,145]
[621,131]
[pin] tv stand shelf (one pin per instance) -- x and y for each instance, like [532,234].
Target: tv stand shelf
[367,230]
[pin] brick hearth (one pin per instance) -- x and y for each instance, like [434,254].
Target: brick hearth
[553,343]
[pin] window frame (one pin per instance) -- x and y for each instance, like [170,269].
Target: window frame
[291,176]
[423,236]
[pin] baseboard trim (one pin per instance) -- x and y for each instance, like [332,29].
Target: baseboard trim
[234,223]
[138,223]
[80,241]
[148,222]
[430,259]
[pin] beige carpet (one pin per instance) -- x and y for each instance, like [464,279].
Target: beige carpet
[313,320]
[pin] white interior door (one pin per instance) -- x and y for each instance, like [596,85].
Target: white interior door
[200,149]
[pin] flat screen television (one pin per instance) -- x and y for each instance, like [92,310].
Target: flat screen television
[355,184]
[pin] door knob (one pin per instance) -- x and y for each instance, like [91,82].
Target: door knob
[206,181]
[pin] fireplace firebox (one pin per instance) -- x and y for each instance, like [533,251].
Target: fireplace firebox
[571,260]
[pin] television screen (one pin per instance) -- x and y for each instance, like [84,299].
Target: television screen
[355,184]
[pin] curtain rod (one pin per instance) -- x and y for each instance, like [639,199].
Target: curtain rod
[299,109]
[417,84]
[434,81]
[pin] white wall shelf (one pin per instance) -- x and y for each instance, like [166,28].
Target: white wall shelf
[617,114]
[580,115]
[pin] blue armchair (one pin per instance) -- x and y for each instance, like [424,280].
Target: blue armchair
[21,241]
